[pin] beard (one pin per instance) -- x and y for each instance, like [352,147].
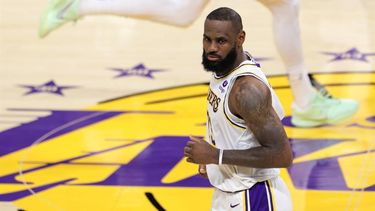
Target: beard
[221,66]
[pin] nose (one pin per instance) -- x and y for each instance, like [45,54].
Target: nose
[213,47]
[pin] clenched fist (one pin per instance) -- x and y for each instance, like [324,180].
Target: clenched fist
[200,152]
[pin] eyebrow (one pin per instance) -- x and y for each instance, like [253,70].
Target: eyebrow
[216,38]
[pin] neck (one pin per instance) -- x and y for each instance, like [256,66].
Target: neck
[241,56]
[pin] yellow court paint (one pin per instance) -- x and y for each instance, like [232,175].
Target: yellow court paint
[114,163]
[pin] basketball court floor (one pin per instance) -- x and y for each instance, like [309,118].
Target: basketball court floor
[96,115]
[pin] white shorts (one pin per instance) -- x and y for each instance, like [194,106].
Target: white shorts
[268,195]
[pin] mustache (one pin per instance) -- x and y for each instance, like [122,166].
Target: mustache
[212,54]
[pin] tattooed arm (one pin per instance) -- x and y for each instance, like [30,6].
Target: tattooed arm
[251,100]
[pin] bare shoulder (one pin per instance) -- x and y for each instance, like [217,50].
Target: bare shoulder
[248,96]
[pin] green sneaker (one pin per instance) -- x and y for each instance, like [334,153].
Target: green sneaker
[58,13]
[323,110]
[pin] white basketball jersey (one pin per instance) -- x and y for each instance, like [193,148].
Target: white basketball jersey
[227,131]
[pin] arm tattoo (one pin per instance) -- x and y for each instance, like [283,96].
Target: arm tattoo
[252,101]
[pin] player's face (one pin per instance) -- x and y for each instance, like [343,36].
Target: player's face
[219,46]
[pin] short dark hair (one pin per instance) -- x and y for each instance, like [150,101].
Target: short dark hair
[226,14]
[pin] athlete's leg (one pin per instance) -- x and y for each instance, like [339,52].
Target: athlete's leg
[288,43]
[173,12]
[369,8]
[310,108]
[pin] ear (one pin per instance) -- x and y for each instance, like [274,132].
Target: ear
[241,38]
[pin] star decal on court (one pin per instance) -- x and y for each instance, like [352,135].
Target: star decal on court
[49,87]
[351,54]
[138,70]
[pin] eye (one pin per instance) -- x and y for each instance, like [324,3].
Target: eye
[221,41]
[206,40]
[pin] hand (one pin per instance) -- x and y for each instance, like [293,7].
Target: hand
[200,152]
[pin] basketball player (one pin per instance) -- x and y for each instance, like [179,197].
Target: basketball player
[312,106]
[245,142]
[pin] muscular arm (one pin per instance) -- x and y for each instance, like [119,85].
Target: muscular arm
[251,100]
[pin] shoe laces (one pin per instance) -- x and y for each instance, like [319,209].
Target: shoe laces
[323,91]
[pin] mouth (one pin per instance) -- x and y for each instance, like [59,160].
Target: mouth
[213,58]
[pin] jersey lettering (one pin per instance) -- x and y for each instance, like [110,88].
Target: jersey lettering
[213,99]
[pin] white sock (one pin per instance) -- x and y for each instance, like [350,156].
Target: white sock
[288,43]
[173,12]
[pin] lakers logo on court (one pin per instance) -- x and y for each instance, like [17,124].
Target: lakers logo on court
[127,153]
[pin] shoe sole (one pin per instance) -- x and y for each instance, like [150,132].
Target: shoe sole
[299,122]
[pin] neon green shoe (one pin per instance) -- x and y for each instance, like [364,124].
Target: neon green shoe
[58,13]
[323,110]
